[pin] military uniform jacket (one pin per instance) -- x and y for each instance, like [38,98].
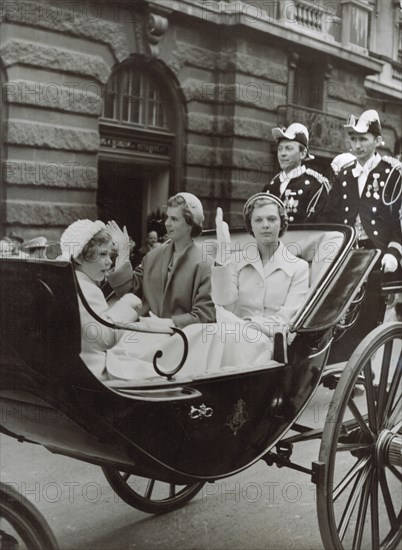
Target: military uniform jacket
[305,195]
[380,221]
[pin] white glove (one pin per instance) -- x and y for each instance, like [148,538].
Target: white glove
[131,300]
[223,237]
[153,322]
[125,309]
[121,240]
[389,263]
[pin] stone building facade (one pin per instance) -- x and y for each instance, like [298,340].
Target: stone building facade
[110,107]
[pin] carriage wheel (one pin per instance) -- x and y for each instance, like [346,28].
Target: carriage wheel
[150,495]
[21,524]
[359,485]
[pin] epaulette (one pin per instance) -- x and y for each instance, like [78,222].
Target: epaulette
[319,177]
[395,163]
[345,166]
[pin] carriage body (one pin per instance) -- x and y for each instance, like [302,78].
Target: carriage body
[181,429]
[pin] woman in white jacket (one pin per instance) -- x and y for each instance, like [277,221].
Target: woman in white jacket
[89,245]
[258,290]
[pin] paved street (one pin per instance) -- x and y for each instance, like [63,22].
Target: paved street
[260,508]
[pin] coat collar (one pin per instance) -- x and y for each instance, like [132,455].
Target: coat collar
[83,277]
[294,173]
[282,259]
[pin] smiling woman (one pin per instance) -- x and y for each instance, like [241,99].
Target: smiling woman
[174,281]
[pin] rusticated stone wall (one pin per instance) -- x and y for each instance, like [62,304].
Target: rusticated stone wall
[56,61]
[56,64]
[232,87]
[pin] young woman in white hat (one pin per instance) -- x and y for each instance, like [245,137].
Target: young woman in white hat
[88,245]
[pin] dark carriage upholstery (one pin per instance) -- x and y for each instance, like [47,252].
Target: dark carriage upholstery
[40,324]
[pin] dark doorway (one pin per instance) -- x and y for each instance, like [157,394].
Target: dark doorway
[120,195]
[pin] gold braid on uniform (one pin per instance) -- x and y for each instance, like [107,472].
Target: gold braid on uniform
[324,183]
[397,185]
[319,177]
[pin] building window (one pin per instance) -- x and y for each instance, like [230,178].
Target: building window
[133,97]
[356,22]
[359,26]
[308,85]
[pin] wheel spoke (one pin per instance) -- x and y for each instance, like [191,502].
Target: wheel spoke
[370,397]
[394,420]
[361,515]
[396,473]
[360,482]
[375,526]
[359,418]
[382,388]
[388,500]
[356,468]
[125,475]
[394,387]
[358,501]
[149,489]
[342,447]
[172,490]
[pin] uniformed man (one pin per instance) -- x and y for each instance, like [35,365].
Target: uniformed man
[303,190]
[366,193]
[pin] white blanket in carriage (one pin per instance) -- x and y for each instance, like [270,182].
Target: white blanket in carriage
[229,345]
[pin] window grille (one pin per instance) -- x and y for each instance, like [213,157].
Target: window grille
[135,98]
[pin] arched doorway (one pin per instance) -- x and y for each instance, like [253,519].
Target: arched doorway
[140,155]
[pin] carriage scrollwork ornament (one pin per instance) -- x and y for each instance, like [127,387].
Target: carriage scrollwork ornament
[238,417]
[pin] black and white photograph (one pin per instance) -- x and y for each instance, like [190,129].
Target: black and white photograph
[201,274]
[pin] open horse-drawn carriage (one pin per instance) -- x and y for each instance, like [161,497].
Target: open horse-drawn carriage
[175,432]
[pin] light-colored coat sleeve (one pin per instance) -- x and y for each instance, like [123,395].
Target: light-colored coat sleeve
[94,334]
[225,284]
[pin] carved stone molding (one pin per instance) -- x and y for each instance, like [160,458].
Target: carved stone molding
[156,26]
[293,60]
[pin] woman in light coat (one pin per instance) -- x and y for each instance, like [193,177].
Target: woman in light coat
[89,245]
[256,291]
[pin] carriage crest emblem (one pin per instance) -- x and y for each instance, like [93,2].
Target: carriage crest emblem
[238,418]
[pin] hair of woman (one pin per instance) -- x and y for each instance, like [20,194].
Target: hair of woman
[178,200]
[261,199]
[91,249]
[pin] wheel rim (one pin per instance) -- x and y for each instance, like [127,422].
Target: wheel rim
[153,490]
[22,526]
[359,503]
[149,494]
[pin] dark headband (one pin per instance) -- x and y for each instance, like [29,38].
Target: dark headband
[270,196]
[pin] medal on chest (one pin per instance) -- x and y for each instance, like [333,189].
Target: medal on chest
[290,202]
